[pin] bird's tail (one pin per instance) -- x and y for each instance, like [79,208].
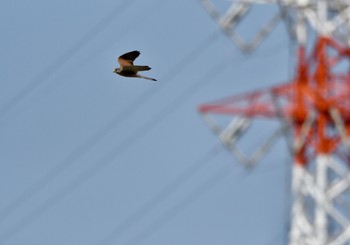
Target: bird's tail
[141,68]
[148,78]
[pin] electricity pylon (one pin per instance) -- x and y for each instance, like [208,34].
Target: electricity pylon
[313,108]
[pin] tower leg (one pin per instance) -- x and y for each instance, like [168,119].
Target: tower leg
[300,227]
[320,223]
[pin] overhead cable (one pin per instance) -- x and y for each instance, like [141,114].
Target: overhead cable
[45,74]
[89,143]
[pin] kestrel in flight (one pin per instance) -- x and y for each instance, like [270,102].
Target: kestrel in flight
[127,67]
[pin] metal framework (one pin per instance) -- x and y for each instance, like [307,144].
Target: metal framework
[325,17]
[313,108]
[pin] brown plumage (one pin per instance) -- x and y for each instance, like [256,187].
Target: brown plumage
[127,67]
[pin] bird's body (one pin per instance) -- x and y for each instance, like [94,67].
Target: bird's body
[127,67]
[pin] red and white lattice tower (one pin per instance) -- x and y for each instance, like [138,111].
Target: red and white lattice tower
[314,107]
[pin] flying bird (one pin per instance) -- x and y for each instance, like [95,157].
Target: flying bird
[127,67]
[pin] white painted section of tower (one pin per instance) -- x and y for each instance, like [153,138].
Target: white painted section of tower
[320,188]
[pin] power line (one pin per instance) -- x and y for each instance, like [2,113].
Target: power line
[107,159]
[220,175]
[63,58]
[168,215]
[110,156]
[71,158]
[129,141]
[125,29]
[167,191]
[216,178]
[95,138]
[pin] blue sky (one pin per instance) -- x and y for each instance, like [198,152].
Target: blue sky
[89,157]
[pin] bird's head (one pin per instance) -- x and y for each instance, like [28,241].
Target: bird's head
[116,70]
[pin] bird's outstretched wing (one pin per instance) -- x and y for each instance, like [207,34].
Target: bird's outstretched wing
[136,69]
[127,59]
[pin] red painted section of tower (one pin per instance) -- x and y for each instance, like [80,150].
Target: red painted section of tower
[317,87]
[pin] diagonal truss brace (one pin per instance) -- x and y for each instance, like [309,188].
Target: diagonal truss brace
[232,133]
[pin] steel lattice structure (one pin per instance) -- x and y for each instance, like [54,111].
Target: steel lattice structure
[313,108]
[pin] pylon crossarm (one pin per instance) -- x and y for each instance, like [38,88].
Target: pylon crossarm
[258,154]
[229,20]
[230,134]
[250,45]
[234,130]
[254,104]
[233,15]
[211,123]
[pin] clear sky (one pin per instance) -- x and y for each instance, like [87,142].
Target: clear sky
[89,157]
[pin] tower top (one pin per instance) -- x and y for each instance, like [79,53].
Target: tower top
[325,17]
